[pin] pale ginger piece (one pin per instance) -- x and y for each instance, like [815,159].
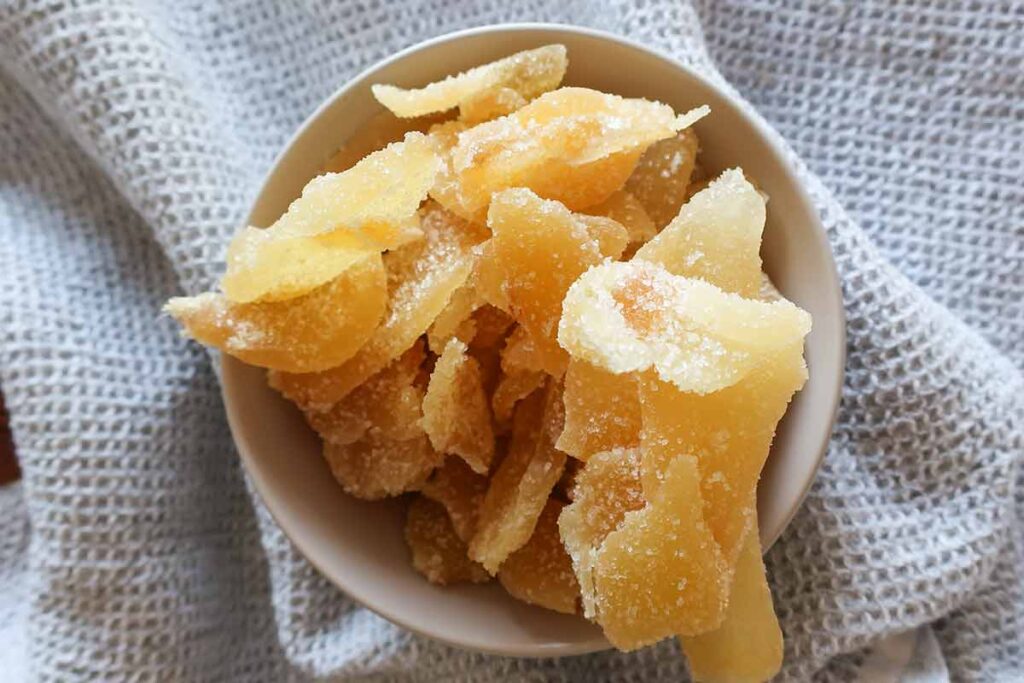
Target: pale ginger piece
[768,291]
[437,552]
[625,209]
[521,485]
[339,218]
[421,279]
[461,491]
[377,133]
[663,175]
[388,406]
[605,489]
[456,412]
[729,432]
[715,237]
[540,573]
[747,647]
[573,145]
[602,411]
[488,88]
[315,331]
[630,317]
[538,249]
[455,321]
[444,137]
[513,386]
[375,467]
[660,573]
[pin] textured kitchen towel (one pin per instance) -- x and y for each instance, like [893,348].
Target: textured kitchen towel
[132,137]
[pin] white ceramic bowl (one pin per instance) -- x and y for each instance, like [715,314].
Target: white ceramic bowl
[359,545]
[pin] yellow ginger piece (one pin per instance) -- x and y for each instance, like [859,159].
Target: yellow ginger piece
[456,412]
[461,491]
[540,573]
[339,218]
[565,488]
[605,489]
[625,209]
[663,175]
[456,319]
[602,411]
[514,385]
[437,552]
[630,317]
[715,237]
[376,467]
[660,573]
[497,87]
[521,352]
[747,647]
[521,485]
[318,330]
[377,133]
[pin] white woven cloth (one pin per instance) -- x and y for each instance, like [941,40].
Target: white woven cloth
[132,137]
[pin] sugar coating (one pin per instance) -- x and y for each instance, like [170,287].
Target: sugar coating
[540,573]
[538,249]
[602,411]
[456,411]
[715,237]
[630,317]
[461,491]
[520,487]
[437,552]
[747,647]
[421,279]
[525,75]
[315,331]
[728,432]
[514,385]
[605,489]
[663,175]
[624,208]
[660,573]
[376,467]
[371,206]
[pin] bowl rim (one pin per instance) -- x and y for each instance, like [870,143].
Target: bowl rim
[775,144]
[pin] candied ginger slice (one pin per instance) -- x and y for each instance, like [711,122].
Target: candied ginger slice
[491,324]
[368,207]
[660,573]
[490,105]
[421,279]
[387,406]
[729,432]
[663,175]
[455,320]
[318,330]
[514,385]
[520,352]
[605,489]
[602,411]
[461,490]
[526,74]
[540,573]
[437,552]
[625,209]
[629,317]
[375,468]
[747,647]
[715,237]
[456,413]
[521,485]
[377,133]
[538,249]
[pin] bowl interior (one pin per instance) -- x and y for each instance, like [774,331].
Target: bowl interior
[359,545]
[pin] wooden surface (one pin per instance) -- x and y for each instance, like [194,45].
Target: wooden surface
[8,465]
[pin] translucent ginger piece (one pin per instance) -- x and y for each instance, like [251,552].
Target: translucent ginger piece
[456,412]
[574,145]
[663,174]
[602,411]
[625,209]
[514,385]
[538,249]
[388,406]
[747,647]
[540,573]
[521,485]
[461,491]
[629,317]
[318,330]
[455,320]
[715,237]
[526,74]
[729,432]
[375,468]
[491,326]
[421,279]
[566,485]
[490,105]
[605,489]
[660,572]
[520,352]
[338,217]
[437,552]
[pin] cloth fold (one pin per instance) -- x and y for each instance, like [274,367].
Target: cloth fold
[132,137]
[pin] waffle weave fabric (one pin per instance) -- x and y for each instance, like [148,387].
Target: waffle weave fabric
[132,138]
